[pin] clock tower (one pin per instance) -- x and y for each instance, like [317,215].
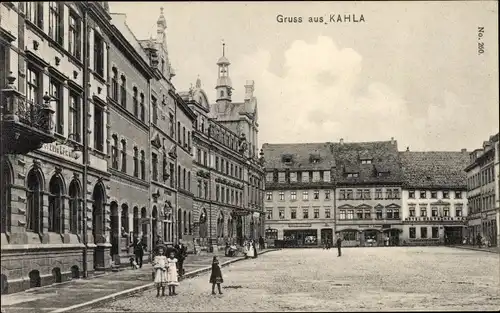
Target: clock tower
[224,86]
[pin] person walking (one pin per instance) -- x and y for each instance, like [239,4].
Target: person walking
[172,277]
[139,248]
[160,267]
[339,245]
[216,276]
[262,243]
[181,256]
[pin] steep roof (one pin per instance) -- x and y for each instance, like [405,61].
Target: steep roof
[303,156]
[434,169]
[384,161]
[119,20]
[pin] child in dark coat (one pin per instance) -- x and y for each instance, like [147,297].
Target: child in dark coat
[216,276]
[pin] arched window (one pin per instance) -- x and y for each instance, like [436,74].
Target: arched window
[136,102]
[124,219]
[144,228]
[34,200]
[114,152]
[136,221]
[143,165]
[184,219]
[56,205]
[222,93]
[189,181]
[179,173]
[5,197]
[75,215]
[124,156]
[136,162]
[114,84]
[123,92]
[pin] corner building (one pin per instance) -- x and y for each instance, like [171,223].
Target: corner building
[483,181]
[434,197]
[42,45]
[227,174]
[299,196]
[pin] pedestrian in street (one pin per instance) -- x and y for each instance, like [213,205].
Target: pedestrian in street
[139,247]
[479,240]
[339,245]
[181,256]
[254,250]
[262,243]
[216,276]
[160,267]
[250,250]
[172,278]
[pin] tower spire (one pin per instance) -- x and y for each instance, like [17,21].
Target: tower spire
[223,48]
[224,85]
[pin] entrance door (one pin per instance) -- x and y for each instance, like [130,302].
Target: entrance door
[239,229]
[326,235]
[114,230]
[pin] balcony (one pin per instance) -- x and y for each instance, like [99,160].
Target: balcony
[26,126]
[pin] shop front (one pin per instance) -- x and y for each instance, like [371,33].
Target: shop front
[300,237]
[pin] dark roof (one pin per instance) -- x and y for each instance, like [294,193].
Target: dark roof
[434,169]
[301,156]
[384,158]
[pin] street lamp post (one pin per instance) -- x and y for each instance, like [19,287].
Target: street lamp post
[210,187]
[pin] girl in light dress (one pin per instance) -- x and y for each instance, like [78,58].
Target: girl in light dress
[216,276]
[160,267]
[251,252]
[172,278]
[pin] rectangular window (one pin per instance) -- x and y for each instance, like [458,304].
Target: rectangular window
[446,195]
[205,189]
[123,92]
[395,193]
[342,195]
[155,110]
[56,22]
[269,196]
[98,54]
[413,232]
[366,194]
[33,87]
[458,211]
[411,194]
[124,156]
[179,132]
[98,127]
[74,38]
[423,212]
[349,194]
[282,195]
[293,195]
[305,195]
[378,194]
[412,211]
[389,194]
[368,215]
[396,214]
[423,232]
[56,93]
[316,194]
[342,215]
[423,195]
[434,212]
[435,232]
[458,195]
[269,214]
[378,214]
[359,214]
[327,213]
[293,214]
[305,213]
[154,161]
[446,211]
[282,214]
[327,194]
[316,213]
[34,13]
[172,174]
[350,214]
[74,119]
[389,214]
[184,143]
[359,194]
[434,194]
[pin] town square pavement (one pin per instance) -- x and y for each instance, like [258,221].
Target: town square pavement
[363,279]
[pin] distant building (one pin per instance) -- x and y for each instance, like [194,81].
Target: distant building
[434,197]
[483,192]
[299,196]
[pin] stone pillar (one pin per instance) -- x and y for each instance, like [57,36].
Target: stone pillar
[66,219]
[318,234]
[18,209]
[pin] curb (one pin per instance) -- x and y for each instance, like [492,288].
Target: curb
[127,292]
[474,249]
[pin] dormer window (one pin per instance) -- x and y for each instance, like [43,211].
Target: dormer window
[287,159]
[351,175]
[314,158]
[382,174]
[366,161]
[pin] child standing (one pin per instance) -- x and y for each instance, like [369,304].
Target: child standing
[216,276]
[160,267]
[172,278]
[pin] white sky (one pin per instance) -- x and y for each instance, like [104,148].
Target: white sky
[411,71]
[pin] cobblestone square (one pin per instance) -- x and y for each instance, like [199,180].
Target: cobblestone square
[363,279]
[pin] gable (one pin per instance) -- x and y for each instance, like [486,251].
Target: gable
[346,206]
[392,206]
[363,206]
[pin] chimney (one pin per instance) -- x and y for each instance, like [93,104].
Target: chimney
[463,150]
[392,140]
[407,149]
[249,88]
[341,141]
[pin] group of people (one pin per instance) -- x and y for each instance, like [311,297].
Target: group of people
[249,249]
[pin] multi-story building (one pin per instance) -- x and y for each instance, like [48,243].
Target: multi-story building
[45,46]
[227,174]
[129,120]
[299,194]
[482,192]
[434,197]
[368,182]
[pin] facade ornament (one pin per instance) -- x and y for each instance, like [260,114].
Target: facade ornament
[242,144]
